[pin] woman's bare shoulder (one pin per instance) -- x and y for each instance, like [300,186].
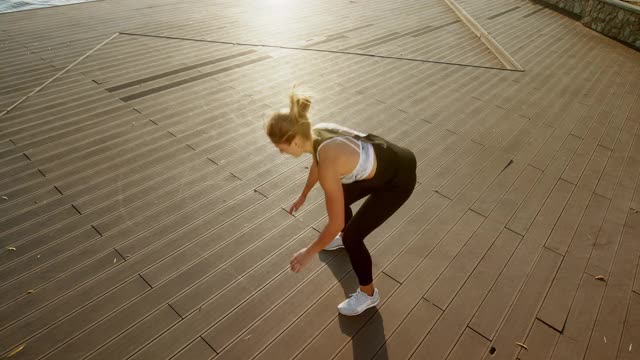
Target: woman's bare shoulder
[338,155]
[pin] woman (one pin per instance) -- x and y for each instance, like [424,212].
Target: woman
[349,165]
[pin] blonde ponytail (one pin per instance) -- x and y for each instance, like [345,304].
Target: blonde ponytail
[284,126]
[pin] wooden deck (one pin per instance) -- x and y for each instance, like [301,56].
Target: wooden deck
[142,212]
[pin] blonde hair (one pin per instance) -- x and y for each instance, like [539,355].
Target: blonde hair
[283,126]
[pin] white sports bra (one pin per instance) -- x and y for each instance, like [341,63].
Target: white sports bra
[367,154]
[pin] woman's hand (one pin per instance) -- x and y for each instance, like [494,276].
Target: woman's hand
[299,260]
[297,204]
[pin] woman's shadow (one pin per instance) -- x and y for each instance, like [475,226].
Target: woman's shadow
[365,330]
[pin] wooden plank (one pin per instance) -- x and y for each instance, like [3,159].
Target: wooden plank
[631,332]
[520,318]
[613,309]
[615,165]
[135,311]
[197,350]
[17,279]
[333,337]
[156,183]
[501,130]
[154,149]
[13,161]
[133,266]
[412,227]
[44,342]
[565,228]
[261,216]
[458,270]
[441,159]
[372,341]
[518,168]
[57,236]
[574,339]
[540,342]
[320,315]
[619,117]
[526,213]
[16,229]
[470,346]
[556,306]
[453,322]
[499,299]
[552,146]
[472,180]
[89,110]
[403,341]
[471,192]
[433,173]
[15,324]
[131,340]
[117,130]
[28,202]
[76,125]
[151,211]
[574,170]
[223,250]
[429,237]
[608,240]
[464,263]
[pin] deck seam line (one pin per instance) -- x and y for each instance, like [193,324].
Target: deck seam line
[322,50]
[57,75]
[96,230]
[209,345]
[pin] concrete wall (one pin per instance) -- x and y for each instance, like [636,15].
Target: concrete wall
[613,18]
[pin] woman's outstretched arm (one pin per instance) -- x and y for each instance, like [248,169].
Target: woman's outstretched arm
[329,178]
[312,179]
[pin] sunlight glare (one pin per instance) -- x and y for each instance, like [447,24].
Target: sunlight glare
[279,9]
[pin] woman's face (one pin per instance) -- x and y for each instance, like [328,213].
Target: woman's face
[294,148]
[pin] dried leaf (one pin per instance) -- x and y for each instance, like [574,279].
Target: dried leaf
[605,339]
[522,345]
[30,291]
[247,338]
[14,351]
[630,346]
[11,249]
[5,198]
[601,278]
[115,260]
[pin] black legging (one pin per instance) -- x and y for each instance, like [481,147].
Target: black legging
[390,187]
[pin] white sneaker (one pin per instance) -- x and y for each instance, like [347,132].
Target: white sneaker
[335,244]
[358,303]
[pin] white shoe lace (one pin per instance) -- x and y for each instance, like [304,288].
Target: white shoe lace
[353,298]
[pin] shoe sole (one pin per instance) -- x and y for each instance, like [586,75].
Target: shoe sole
[333,248]
[363,310]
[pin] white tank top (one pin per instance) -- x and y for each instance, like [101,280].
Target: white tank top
[365,149]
